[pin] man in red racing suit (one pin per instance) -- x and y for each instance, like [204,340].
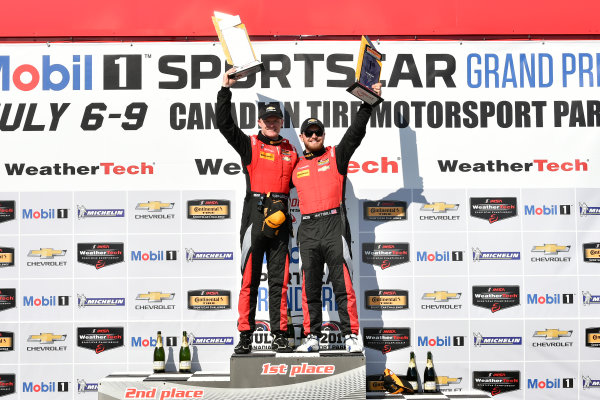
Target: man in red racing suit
[268,161]
[324,234]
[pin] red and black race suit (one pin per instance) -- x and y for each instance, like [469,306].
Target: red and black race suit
[268,165]
[324,234]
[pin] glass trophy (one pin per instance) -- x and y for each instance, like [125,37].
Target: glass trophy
[368,72]
[236,45]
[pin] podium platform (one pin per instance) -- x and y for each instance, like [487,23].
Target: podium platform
[260,376]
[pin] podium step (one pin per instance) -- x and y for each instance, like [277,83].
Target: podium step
[259,376]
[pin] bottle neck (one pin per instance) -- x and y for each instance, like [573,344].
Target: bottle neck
[412,363]
[184,342]
[429,363]
[159,342]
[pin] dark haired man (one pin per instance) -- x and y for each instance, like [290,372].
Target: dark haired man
[324,234]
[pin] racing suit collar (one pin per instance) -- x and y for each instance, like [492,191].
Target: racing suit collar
[310,155]
[266,140]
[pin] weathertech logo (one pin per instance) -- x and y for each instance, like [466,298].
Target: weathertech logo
[493,209]
[100,339]
[7,210]
[496,298]
[385,255]
[104,168]
[497,382]
[540,165]
[100,255]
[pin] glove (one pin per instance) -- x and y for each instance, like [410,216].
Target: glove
[274,212]
[394,384]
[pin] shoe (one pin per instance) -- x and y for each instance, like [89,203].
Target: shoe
[311,343]
[244,346]
[281,344]
[353,345]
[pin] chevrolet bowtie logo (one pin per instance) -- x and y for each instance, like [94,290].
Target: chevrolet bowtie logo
[154,206]
[155,296]
[441,295]
[46,253]
[446,380]
[551,248]
[439,207]
[552,334]
[46,338]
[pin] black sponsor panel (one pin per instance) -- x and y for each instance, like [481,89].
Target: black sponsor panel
[493,209]
[8,298]
[591,252]
[386,299]
[497,382]
[7,341]
[100,339]
[386,339]
[209,209]
[100,255]
[385,254]
[496,298]
[375,383]
[122,71]
[7,210]
[384,210]
[7,384]
[210,299]
[592,337]
[171,341]
[7,256]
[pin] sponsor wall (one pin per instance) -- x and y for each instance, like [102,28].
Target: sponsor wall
[473,204]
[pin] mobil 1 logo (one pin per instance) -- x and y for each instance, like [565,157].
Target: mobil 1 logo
[122,72]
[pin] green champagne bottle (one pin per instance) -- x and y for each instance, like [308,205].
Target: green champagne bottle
[429,379]
[159,355]
[185,357]
[412,374]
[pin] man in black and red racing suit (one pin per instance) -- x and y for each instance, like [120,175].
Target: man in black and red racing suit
[268,161]
[324,234]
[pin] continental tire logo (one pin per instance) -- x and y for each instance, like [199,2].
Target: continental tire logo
[384,210]
[211,299]
[390,299]
[209,209]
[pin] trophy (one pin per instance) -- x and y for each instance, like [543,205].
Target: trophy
[368,71]
[236,45]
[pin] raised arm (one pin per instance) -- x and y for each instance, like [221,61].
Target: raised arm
[234,135]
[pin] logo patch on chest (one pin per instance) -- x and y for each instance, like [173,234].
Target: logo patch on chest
[301,174]
[324,161]
[267,156]
[323,168]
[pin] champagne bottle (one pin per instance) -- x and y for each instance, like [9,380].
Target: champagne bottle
[159,354]
[185,357]
[429,379]
[412,376]
[291,333]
